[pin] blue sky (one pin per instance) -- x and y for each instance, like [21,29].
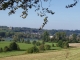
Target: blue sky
[62,19]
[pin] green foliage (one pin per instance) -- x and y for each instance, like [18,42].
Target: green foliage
[60,43]
[14,46]
[2,34]
[57,45]
[65,44]
[47,47]
[6,48]
[60,36]
[42,47]
[17,38]
[74,38]
[52,45]
[23,46]
[45,36]
[34,42]
[28,42]
[1,50]
[38,43]
[33,49]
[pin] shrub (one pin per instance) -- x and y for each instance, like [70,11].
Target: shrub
[52,45]
[33,49]
[14,46]
[38,43]
[34,42]
[57,45]
[60,43]
[1,50]
[6,48]
[47,47]
[41,47]
[65,44]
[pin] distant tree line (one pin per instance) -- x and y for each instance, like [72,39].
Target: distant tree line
[34,30]
[19,35]
[73,38]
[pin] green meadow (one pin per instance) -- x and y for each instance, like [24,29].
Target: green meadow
[23,47]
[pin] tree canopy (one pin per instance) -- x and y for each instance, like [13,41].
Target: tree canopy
[13,5]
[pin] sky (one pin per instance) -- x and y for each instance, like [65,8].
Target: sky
[67,19]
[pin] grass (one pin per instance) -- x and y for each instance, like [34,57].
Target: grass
[12,53]
[3,44]
[65,54]
[23,47]
[59,54]
[53,48]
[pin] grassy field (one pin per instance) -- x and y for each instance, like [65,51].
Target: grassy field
[12,53]
[56,54]
[65,54]
[23,47]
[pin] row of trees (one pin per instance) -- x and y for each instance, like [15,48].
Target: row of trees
[61,36]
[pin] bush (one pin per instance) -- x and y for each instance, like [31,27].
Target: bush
[47,47]
[60,43]
[14,46]
[52,45]
[34,42]
[33,49]
[38,43]
[65,44]
[1,50]
[6,48]
[41,47]
[57,45]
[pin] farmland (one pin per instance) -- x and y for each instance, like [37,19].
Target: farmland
[23,47]
[66,54]
[56,54]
